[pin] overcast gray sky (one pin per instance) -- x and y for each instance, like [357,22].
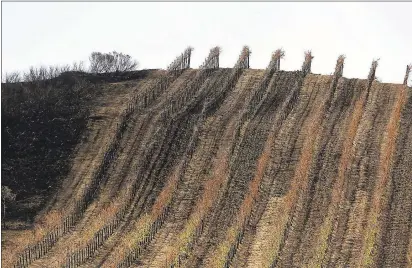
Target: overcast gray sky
[155,33]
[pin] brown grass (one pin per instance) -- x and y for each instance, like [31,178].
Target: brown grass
[246,206]
[212,188]
[379,199]
[142,225]
[51,220]
[409,256]
[285,205]
[140,229]
[337,188]
[300,177]
[166,194]
[355,227]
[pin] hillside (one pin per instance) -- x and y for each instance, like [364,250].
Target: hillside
[232,167]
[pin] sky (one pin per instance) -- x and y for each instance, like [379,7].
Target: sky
[46,33]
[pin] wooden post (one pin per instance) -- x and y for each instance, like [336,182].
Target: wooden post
[408,71]
[188,59]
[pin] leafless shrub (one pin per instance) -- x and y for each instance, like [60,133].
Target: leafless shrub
[42,73]
[13,77]
[78,67]
[111,62]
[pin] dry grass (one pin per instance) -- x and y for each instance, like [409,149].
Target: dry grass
[285,205]
[246,206]
[301,174]
[86,234]
[337,188]
[354,232]
[108,211]
[165,195]
[374,225]
[212,188]
[51,220]
[8,253]
[142,225]
[299,182]
[269,234]
[409,256]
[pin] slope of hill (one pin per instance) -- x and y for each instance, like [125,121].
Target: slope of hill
[234,168]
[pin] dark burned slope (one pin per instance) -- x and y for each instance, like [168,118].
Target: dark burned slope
[307,173]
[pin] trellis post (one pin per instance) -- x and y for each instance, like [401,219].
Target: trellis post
[408,71]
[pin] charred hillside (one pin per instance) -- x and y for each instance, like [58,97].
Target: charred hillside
[233,167]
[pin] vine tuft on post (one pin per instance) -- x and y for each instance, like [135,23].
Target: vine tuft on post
[372,72]
[181,63]
[243,61]
[275,61]
[212,60]
[307,64]
[339,66]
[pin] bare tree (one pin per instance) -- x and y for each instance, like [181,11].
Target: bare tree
[111,62]
[77,67]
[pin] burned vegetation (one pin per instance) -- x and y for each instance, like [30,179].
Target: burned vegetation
[216,167]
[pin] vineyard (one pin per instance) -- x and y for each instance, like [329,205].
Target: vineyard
[234,167]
